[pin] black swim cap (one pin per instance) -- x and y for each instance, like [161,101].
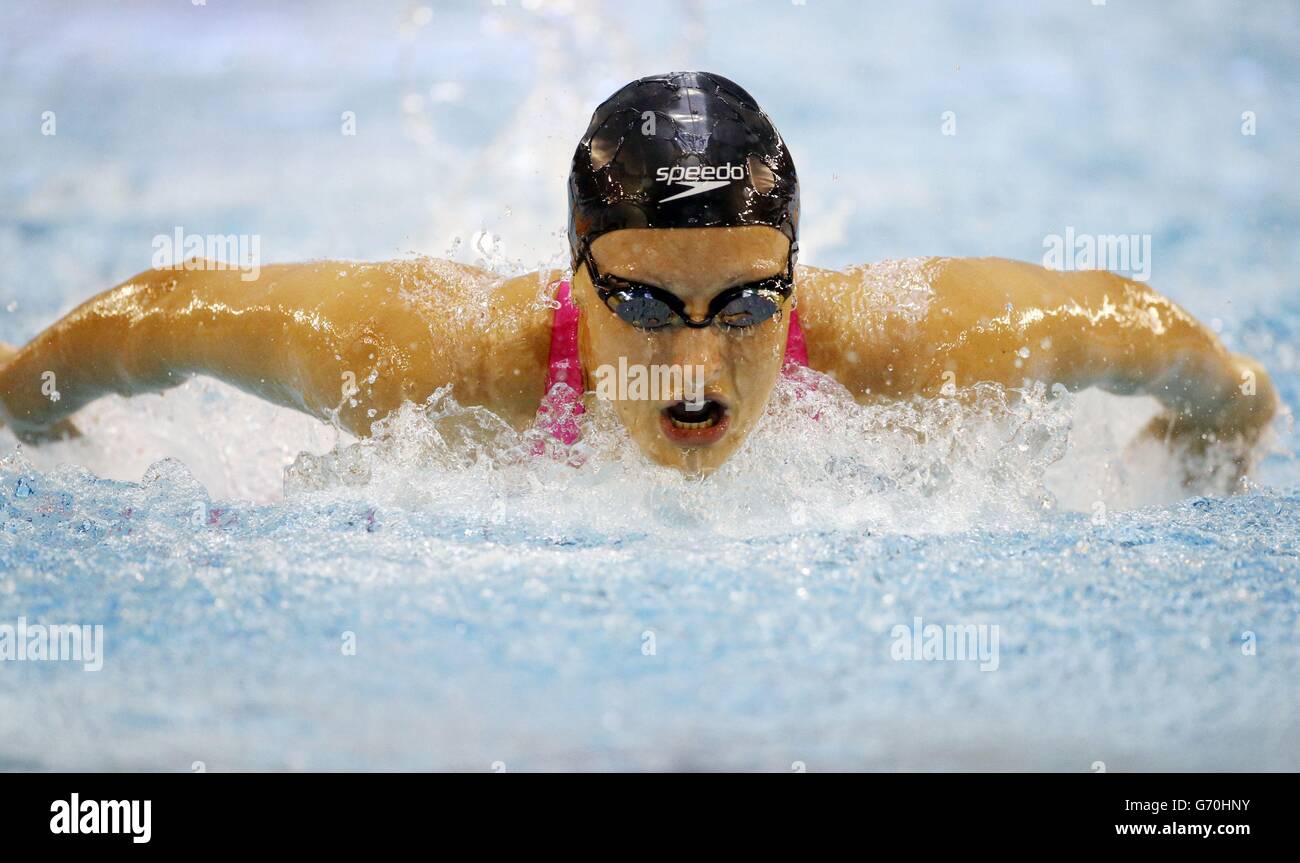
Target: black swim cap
[681,150]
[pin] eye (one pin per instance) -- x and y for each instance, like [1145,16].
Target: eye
[642,311]
[749,308]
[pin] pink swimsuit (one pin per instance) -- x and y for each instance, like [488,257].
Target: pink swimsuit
[562,405]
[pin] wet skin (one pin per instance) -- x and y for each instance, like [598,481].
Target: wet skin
[400,330]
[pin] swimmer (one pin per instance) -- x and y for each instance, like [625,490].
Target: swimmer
[683,232]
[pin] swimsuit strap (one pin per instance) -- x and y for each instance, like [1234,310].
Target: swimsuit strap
[796,349]
[558,413]
[562,403]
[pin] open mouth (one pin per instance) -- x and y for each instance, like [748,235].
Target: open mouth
[694,424]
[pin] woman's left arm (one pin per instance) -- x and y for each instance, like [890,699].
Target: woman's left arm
[991,319]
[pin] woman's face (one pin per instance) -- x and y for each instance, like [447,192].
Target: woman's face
[687,396]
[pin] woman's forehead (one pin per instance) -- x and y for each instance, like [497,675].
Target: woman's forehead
[690,259]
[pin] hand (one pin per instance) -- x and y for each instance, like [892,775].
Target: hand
[1217,439]
[64,429]
[1208,462]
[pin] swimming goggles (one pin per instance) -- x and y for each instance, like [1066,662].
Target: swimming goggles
[647,307]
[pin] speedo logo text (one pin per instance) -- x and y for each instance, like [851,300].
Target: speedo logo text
[700,178]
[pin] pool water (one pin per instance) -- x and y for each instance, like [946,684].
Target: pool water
[277,595]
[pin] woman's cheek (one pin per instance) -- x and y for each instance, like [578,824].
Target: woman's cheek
[754,367]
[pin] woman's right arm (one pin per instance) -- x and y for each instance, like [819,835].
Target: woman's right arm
[342,341]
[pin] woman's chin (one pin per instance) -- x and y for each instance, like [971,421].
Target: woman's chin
[695,458]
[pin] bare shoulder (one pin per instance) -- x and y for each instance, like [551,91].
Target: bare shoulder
[862,303]
[492,331]
[443,298]
[513,365]
[891,327]
[864,324]
[441,323]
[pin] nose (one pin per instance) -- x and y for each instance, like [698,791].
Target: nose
[702,348]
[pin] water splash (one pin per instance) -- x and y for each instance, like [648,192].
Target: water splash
[816,459]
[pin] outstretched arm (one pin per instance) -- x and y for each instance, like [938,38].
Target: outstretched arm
[961,321]
[342,341]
